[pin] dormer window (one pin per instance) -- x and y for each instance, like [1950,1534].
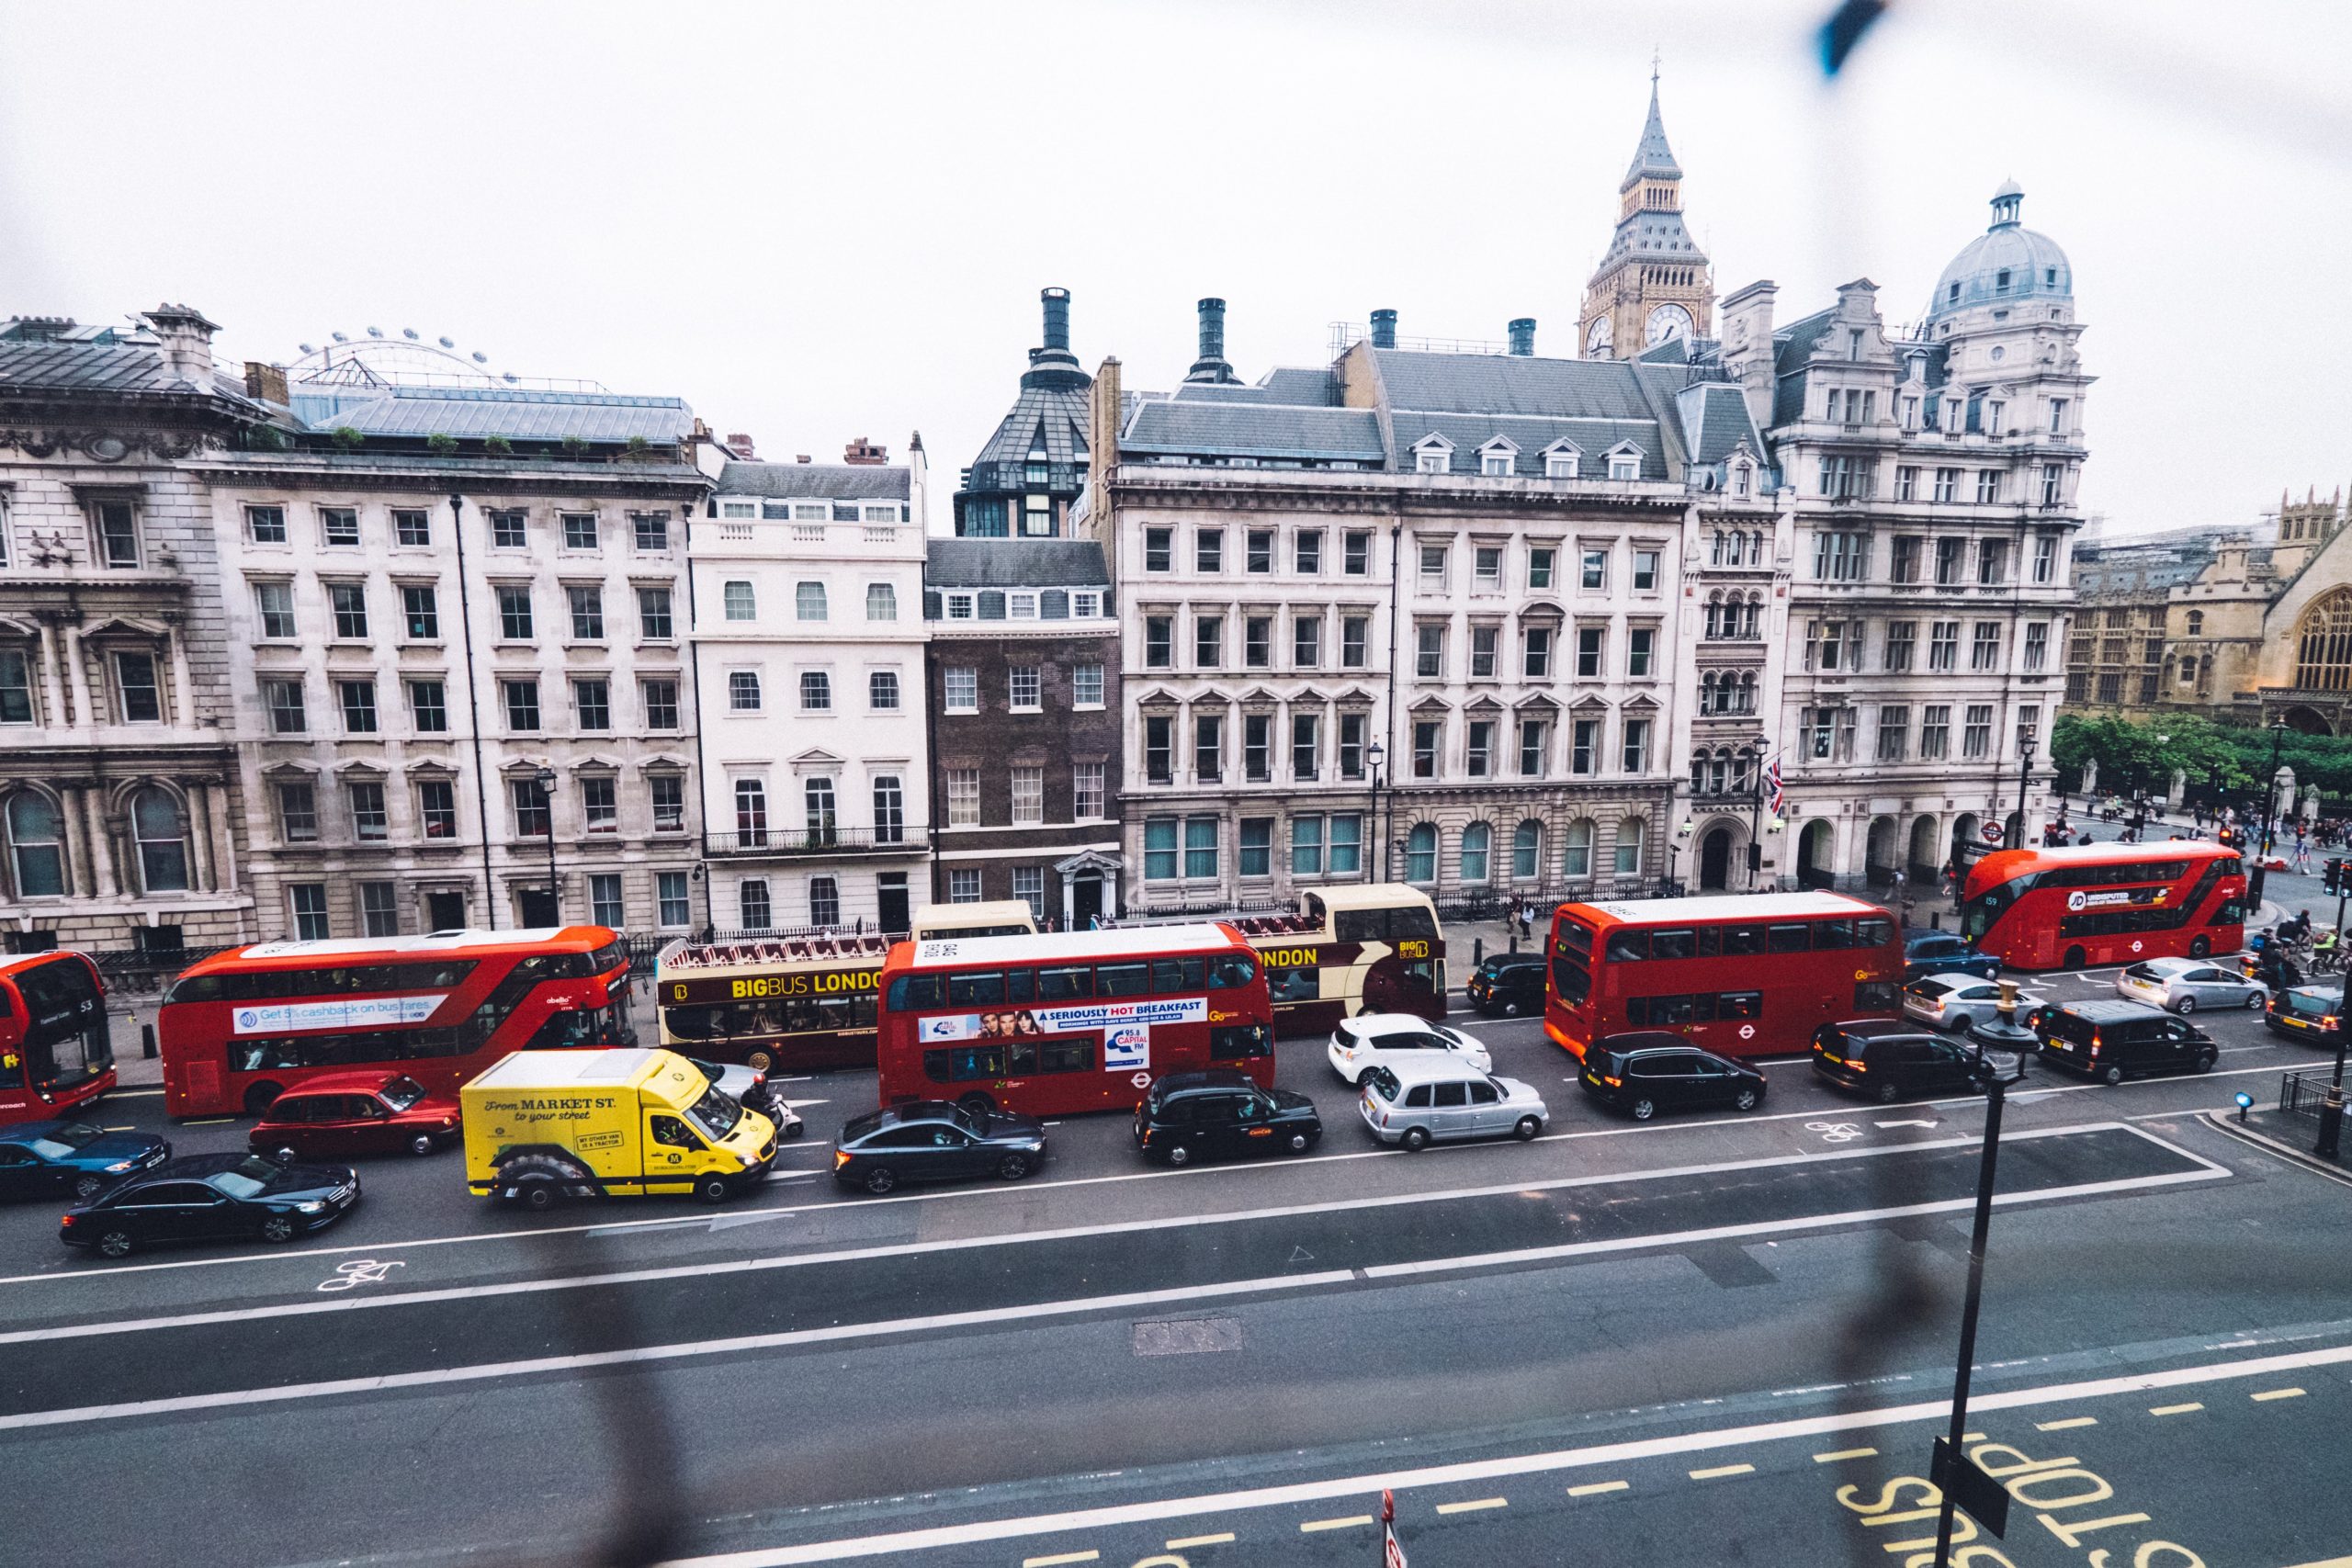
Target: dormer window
[1433,455]
[1624,461]
[2001,281]
[1954,298]
[1741,476]
[2050,277]
[1560,460]
[1497,458]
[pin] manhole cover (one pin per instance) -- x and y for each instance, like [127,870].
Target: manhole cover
[1187,1336]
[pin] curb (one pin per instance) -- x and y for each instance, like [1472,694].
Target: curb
[2223,1121]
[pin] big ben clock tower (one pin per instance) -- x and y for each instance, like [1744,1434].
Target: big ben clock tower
[1654,284]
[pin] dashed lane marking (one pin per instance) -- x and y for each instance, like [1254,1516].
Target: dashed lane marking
[1351,1522]
[1184,1541]
[2068,1425]
[1595,1488]
[2175,1409]
[1475,1505]
[1835,1455]
[1059,1557]
[1716,1473]
[2281,1394]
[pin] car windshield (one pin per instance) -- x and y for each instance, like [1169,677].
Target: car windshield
[249,1177]
[402,1093]
[1930,989]
[1380,1081]
[1448,1036]
[716,1112]
[64,1138]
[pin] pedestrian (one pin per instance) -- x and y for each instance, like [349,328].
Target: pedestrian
[1095,922]
[2302,855]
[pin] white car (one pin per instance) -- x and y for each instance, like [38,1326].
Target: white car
[1378,1039]
[1957,1001]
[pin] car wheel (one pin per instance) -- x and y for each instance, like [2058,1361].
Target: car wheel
[1414,1140]
[1179,1154]
[2199,947]
[1527,1129]
[258,1097]
[2205,1060]
[1643,1108]
[1511,1009]
[1299,1143]
[2185,1006]
[2253,1000]
[1012,1168]
[761,1061]
[2112,1075]
[87,1187]
[277,1229]
[978,1105]
[1746,1098]
[881,1179]
[421,1144]
[2075,958]
[714,1189]
[1888,1094]
[116,1244]
[1959,1023]
[539,1196]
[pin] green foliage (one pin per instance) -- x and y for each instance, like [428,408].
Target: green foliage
[348,439]
[639,446]
[441,445]
[2136,754]
[498,446]
[265,438]
[574,447]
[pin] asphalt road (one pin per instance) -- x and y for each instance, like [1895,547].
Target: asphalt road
[1624,1342]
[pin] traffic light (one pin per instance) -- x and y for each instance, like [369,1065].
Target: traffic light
[2333,878]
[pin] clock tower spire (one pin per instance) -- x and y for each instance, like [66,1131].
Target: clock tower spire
[1654,284]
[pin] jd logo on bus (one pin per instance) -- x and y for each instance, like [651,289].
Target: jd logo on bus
[1289,957]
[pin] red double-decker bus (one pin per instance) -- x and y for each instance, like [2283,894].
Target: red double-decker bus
[242,1027]
[55,1052]
[1080,1020]
[1743,975]
[2065,908]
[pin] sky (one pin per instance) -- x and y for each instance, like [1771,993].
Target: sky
[821,221]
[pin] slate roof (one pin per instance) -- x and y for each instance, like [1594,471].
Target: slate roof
[1226,429]
[1793,346]
[1653,156]
[1014,563]
[132,364]
[1514,384]
[2148,566]
[1530,435]
[1294,386]
[1054,417]
[814,481]
[477,411]
[1715,420]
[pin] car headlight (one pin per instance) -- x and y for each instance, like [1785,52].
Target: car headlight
[312,1206]
[119,1167]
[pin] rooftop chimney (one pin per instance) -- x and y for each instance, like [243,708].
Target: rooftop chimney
[265,383]
[186,340]
[801,457]
[1053,367]
[740,445]
[1522,336]
[864,454]
[1056,302]
[1384,329]
[1211,364]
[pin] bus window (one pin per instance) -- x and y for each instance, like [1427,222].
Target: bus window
[1017,984]
[1178,973]
[1796,938]
[1873,930]
[1743,941]
[1066,1056]
[964,1063]
[1295,984]
[1673,944]
[1245,1042]
[1572,980]
[1740,1004]
[910,992]
[982,989]
[1626,942]
[1122,980]
[1361,925]
[1228,971]
[1409,921]
[1074,983]
[1576,939]
[1828,934]
[1710,940]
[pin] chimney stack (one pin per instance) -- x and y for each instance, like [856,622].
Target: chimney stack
[1056,302]
[1522,336]
[864,454]
[1384,329]
[186,340]
[740,445]
[1211,364]
[265,383]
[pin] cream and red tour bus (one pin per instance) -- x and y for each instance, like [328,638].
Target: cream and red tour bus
[1351,950]
[790,1004]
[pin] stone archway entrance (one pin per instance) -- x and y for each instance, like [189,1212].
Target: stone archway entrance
[1715,860]
[1814,852]
[1926,864]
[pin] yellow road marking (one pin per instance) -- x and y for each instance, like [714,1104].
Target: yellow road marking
[2281,1394]
[2174,1409]
[2331,1562]
[1182,1541]
[1594,1488]
[1348,1523]
[1471,1507]
[2067,1424]
[1722,1470]
[1972,1436]
[211,1121]
[1834,1456]
[1060,1557]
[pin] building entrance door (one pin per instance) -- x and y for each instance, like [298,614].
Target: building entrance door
[1085,900]
[890,902]
[1715,860]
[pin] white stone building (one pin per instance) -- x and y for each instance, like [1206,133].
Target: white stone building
[806,591]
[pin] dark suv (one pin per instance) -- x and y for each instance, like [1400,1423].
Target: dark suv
[1943,952]
[2114,1041]
[1890,1061]
[1646,1071]
[1509,984]
[1190,1116]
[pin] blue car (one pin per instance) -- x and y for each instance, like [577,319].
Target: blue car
[1944,953]
[47,1160]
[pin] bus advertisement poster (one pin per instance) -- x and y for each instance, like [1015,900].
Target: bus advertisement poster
[1022,1023]
[348,1012]
[1126,1047]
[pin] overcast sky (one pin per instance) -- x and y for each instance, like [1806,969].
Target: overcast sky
[821,221]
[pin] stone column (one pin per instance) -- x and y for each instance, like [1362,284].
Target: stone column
[201,807]
[77,680]
[52,676]
[224,839]
[182,685]
[102,867]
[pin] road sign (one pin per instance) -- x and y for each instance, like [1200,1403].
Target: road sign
[1990,832]
[1392,1554]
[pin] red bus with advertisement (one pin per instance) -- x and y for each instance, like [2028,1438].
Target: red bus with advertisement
[2065,908]
[55,1052]
[1062,1022]
[1742,975]
[242,1027]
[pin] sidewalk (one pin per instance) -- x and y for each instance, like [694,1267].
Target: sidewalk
[2288,1138]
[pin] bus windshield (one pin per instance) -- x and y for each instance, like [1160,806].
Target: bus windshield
[66,1042]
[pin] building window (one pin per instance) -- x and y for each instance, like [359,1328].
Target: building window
[592,701]
[1306,551]
[283,699]
[1625,466]
[819,816]
[1584,746]
[1495,464]
[1893,731]
[1353,631]
[1355,554]
[265,524]
[1901,636]
[963,797]
[1086,685]
[2045,558]
[1840,557]
[961,689]
[275,601]
[1257,747]
[587,601]
[1533,735]
[1086,790]
[1427,732]
[420,611]
[436,807]
[1640,645]
[1976,736]
[1208,549]
[816,691]
[1645,571]
[370,822]
[2053,482]
[2110,687]
[653,614]
[1306,642]
[743,690]
[1904,567]
[959,606]
[752,911]
[1158,848]
[1159,642]
[1208,748]
[1576,851]
[1306,746]
[1479,754]
[1629,847]
[1420,854]
[1906,475]
[1208,641]
[1594,569]
[161,832]
[740,604]
[1935,731]
[1433,567]
[1307,846]
[882,691]
[604,901]
[1259,543]
[1431,460]
[1159,549]
[358,699]
[1636,752]
[1429,657]
[580,532]
[297,813]
[309,902]
[1527,851]
[1992,561]
[1257,642]
[1946,485]
[1256,846]
[1159,748]
[660,700]
[963,885]
[515,613]
[1347,844]
[750,813]
[671,903]
[117,533]
[652,531]
[1352,758]
[1943,645]
[522,699]
[137,697]
[506,531]
[1591,648]
[1200,847]
[1540,561]
[1559,465]
[1026,688]
[809,601]
[1984,651]
[1486,568]
[2037,644]
[534,817]
[1988,486]
[1028,796]
[349,601]
[1478,844]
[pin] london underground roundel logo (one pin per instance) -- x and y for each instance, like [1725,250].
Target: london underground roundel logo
[1990,832]
[1141,1081]
[1747,1031]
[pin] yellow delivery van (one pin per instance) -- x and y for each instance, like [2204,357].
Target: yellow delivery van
[542,1126]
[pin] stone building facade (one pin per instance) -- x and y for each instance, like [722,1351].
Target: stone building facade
[1025,713]
[119,800]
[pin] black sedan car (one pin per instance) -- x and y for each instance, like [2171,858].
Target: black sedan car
[1646,1071]
[930,1140]
[42,1160]
[1189,1116]
[1509,984]
[2304,1009]
[228,1197]
[1943,952]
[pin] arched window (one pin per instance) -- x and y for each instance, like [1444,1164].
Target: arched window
[1699,773]
[1714,615]
[1629,847]
[824,901]
[1420,854]
[2323,644]
[161,832]
[1748,692]
[1476,839]
[1707,691]
[2196,623]
[1527,850]
[1749,618]
[1719,772]
[1575,853]
[36,846]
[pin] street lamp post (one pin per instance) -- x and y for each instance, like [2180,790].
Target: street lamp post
[1673,854]
[1755,817]
[546,781]
[2025,773]
[2269,805]
[1376,754]
[2331,1110]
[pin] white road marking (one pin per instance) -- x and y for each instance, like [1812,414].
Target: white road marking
[1480,1471]
[2206,1171]
[1903,1123]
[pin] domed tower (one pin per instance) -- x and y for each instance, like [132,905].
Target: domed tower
[2010,269]
[2004,313]
[1654,284]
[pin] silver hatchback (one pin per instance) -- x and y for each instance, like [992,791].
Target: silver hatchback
[1414,1103]
[2184,984]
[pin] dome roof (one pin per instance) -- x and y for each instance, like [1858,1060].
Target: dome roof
[2006,262]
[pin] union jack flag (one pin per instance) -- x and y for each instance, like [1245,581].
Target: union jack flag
[1772,783]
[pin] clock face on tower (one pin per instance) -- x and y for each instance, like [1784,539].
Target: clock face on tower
[1596,338]
[1667,321]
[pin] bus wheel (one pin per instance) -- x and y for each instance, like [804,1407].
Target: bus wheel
[1414,1140]
[880,1179]
[258,1097]
[2075,958]
[714,1189]
[1012,1168]
[978,1104]
[2199,947]
[760,1062]
[116,1244]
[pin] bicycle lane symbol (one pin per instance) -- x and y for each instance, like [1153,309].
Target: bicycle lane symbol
[359,1272]
[1834,1131]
